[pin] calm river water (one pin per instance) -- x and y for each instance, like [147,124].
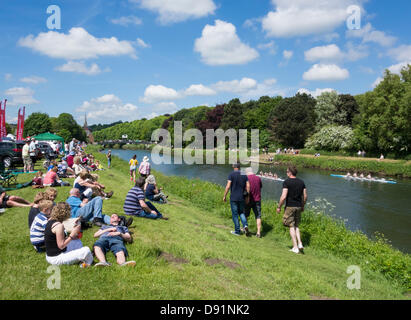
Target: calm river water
[367,206]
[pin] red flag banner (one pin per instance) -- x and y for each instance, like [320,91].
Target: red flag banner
[4,132]
[20,124]
[2,121]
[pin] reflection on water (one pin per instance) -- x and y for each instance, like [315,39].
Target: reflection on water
[367,206]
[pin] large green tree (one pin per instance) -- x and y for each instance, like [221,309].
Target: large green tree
[233,117]
[293,120]
[257,117]
[347,110]
[37,123]
[65,123]
[384,123]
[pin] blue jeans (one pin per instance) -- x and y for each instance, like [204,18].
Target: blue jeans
[144,214]
[93,209]
[237,209]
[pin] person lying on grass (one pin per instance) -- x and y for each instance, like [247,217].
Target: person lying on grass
[39,225]
[7,201]
[135,204]
[57,251]
[112,238]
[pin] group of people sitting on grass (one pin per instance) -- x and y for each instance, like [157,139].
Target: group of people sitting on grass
[70,166]
[56,229]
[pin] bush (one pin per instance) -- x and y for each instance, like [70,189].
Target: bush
[331,138]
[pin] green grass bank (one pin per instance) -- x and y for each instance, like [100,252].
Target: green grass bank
[194,256]
[395,168]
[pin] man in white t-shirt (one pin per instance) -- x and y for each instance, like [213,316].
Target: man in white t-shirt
[32,153]
[26,157]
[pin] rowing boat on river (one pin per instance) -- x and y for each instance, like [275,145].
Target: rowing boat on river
[271,178]
[363,179]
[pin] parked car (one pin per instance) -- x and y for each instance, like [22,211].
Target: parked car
[11,153]
[46,150]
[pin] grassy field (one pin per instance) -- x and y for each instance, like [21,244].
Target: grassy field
[194,256]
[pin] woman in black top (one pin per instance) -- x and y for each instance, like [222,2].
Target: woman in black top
[56,241]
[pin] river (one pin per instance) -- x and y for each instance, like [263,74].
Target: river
[366,206]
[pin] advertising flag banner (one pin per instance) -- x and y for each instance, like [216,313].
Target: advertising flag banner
[3,120]
[20,124]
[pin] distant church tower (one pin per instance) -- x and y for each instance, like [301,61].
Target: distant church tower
[89,134]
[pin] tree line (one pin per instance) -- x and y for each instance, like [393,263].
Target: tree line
[378,121]
[64,126]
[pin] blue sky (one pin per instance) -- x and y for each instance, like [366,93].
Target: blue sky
[129,59]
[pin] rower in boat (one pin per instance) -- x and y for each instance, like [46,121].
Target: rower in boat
[275,176]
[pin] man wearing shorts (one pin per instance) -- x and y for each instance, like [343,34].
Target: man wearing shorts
[112,239]
[32,153]
[295,196]
[26,157]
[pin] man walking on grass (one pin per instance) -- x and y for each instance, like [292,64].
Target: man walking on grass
[295,196]
[237,183]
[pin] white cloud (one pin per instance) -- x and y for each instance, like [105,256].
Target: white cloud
[126,21]
[332,53]
[165,107]
[154,94]
[324,53]
[402,53]
[252,23]
[108,108]
[315,93]
[288,54]
[33,80]
[80,67]
[20,96]
[8,76]
[78,44]
[161,96]
[142,44]
[306,17]
[178,10]
[355,53]
[220,45]
[265,88]
[199,90]
[326,72]
[270,46]
[369,34]
[396,68]
[235,86]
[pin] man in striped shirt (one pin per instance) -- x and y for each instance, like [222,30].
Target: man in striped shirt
[135,204]
[39,225]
